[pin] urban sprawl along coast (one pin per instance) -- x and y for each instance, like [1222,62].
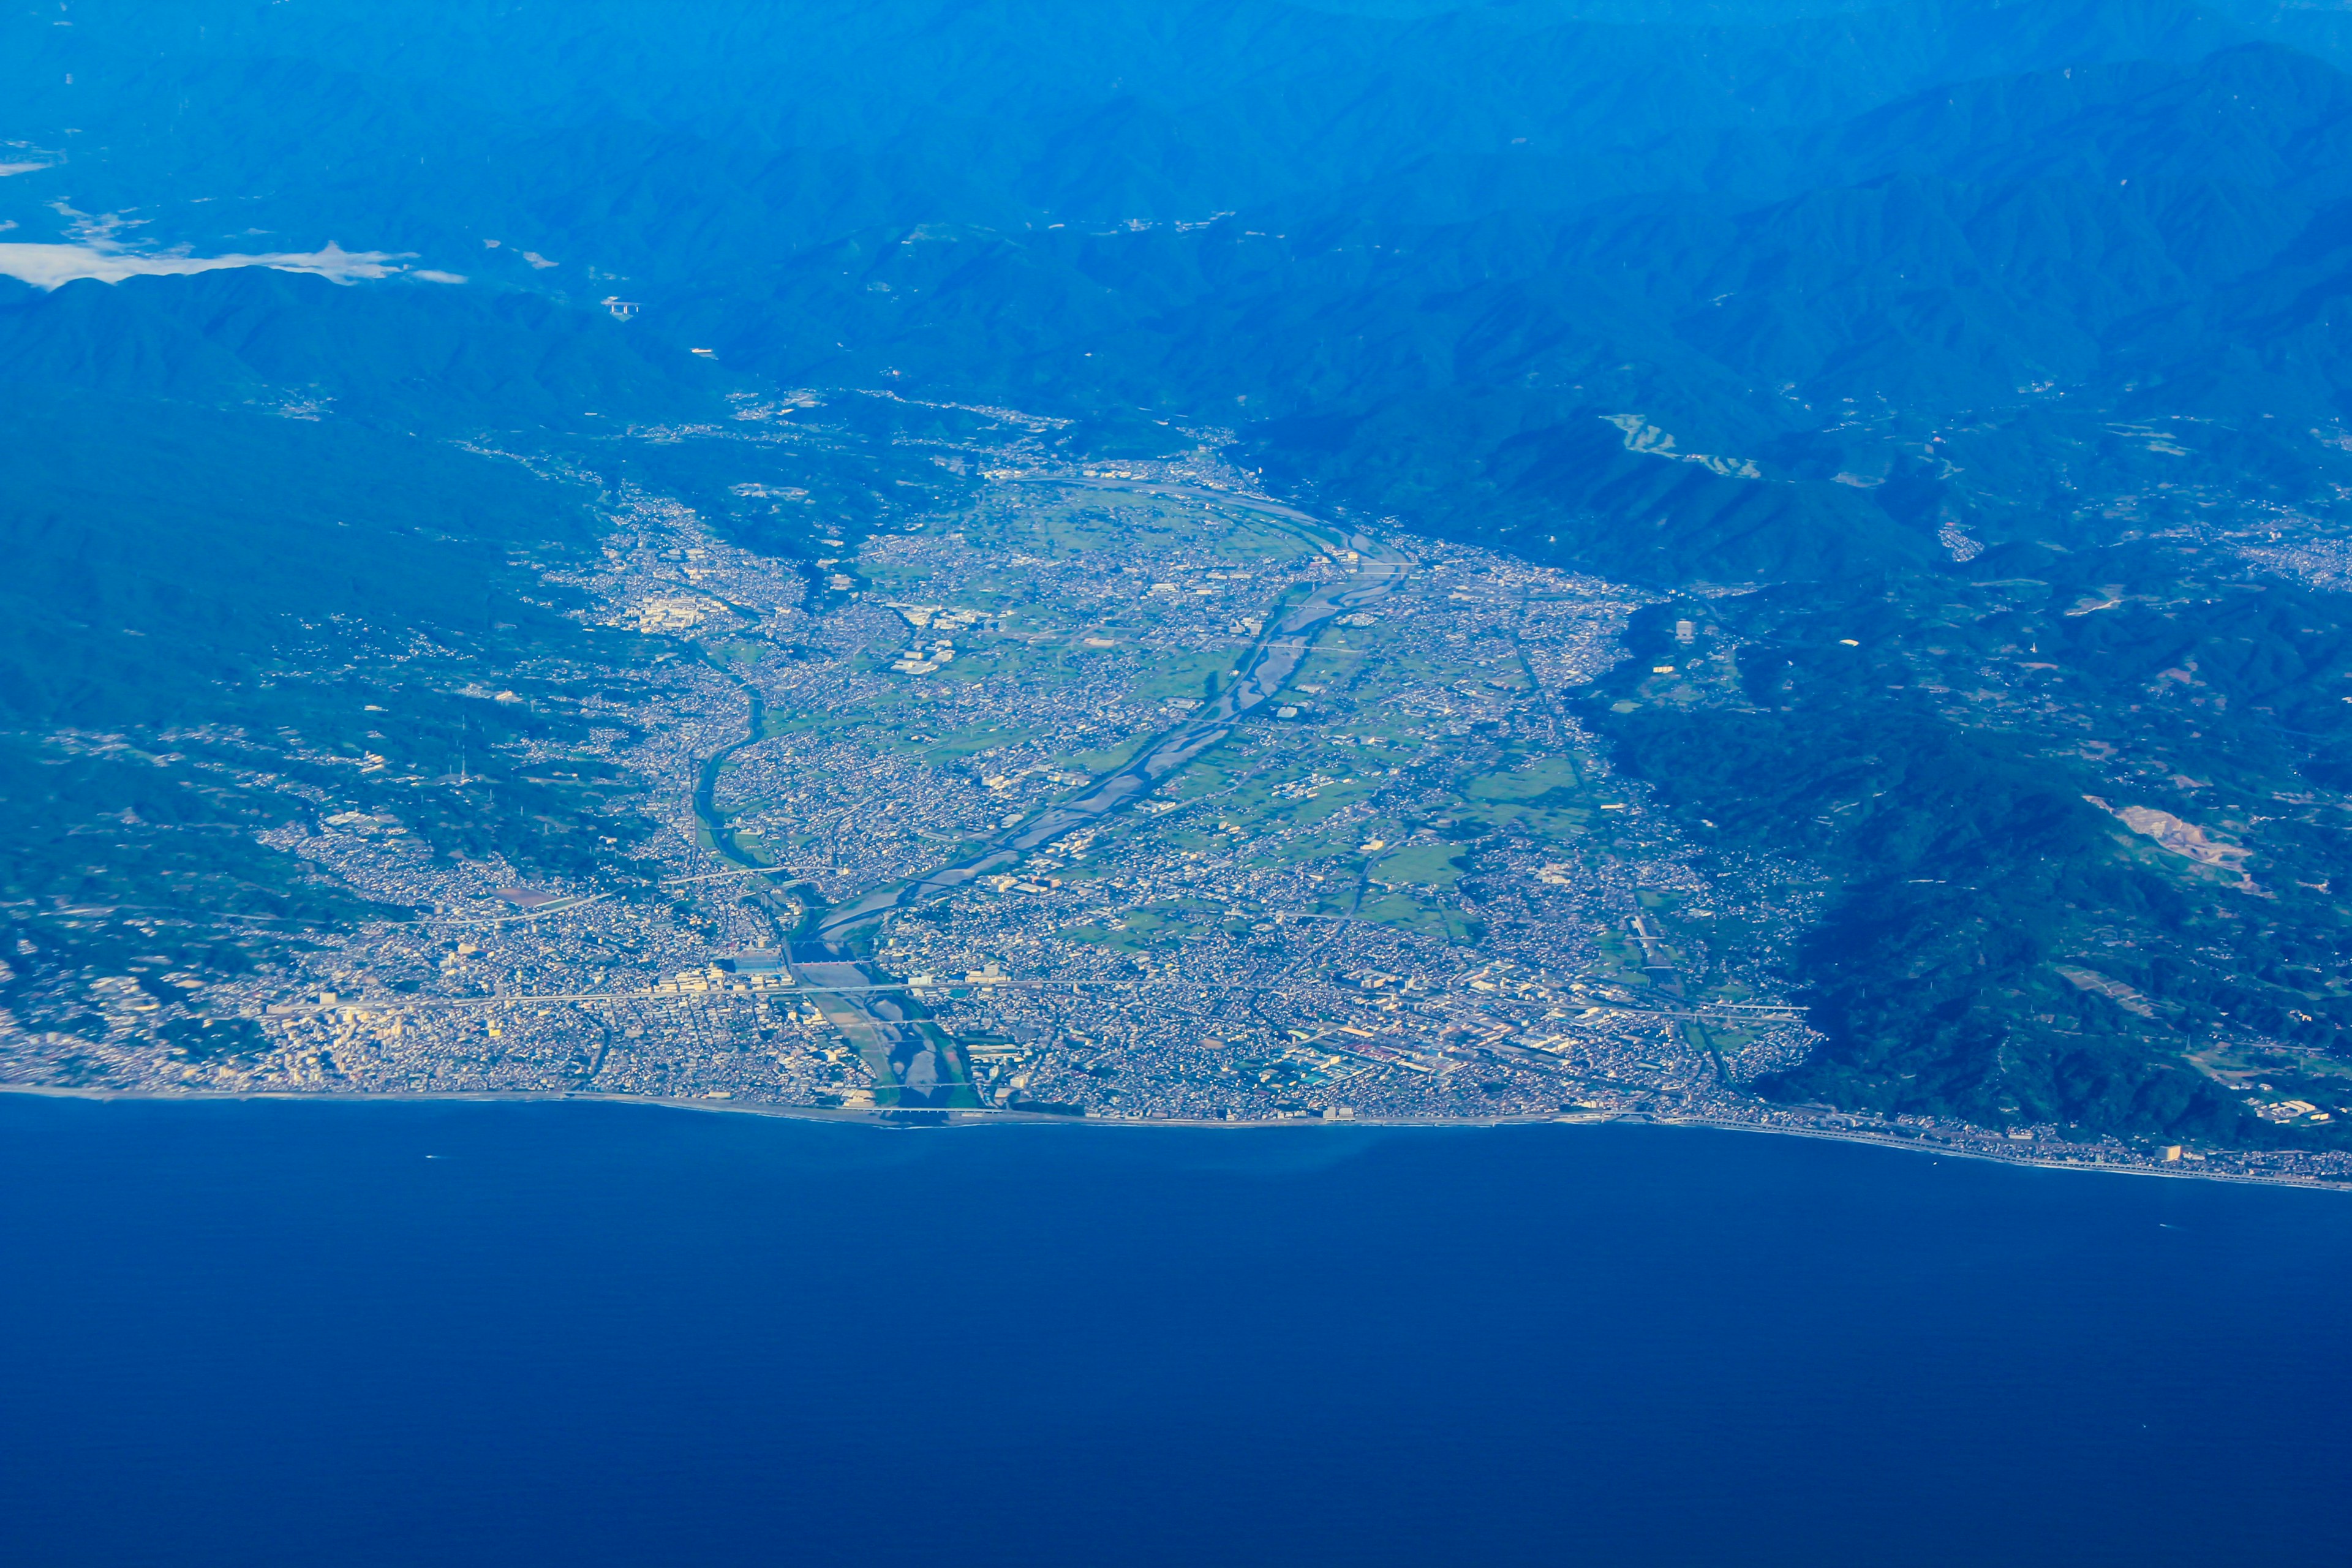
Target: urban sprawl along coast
[1114,791]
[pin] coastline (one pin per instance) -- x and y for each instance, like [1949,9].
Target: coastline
[919,1119]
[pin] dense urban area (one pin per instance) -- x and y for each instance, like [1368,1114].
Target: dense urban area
[1116,791]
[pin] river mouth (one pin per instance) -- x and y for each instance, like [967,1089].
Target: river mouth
[912,1062]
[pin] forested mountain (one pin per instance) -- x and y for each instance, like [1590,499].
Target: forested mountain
[1418,258]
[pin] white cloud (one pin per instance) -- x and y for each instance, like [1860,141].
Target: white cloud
[8,169]
[52,266]
[431,276]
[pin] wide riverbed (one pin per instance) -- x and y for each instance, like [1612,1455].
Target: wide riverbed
[265,1333]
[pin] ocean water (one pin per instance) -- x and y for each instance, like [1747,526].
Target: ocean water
[286,1333]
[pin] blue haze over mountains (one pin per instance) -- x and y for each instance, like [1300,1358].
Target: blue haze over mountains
[1906,271]
[1412,257]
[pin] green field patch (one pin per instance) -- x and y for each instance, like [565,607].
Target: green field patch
[1528,783]
[1468,818]
[1127,941]
[1110,520]
[1557,824]
[1108,759]
[1300,800]
[1618,956]
[890,580]
[1101,520]
[1310,813]
[1421,863]
[1325,667]
[1254,542]
[1151,925]
[752,848]
[775,722]
[1377,747]
[1397,910]
[1202,778]
[1192,675]
[1414,668]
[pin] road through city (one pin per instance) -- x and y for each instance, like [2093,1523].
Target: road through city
[1375,569]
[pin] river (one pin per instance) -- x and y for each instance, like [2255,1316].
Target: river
[1375,569]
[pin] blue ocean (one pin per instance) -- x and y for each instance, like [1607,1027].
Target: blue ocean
[281,1334]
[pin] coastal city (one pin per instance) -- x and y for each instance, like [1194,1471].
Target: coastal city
[1113,791]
